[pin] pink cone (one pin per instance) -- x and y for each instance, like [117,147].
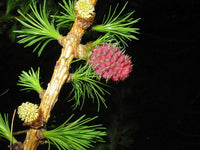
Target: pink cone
[110,63]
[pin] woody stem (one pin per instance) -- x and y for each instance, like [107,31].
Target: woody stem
[70,45]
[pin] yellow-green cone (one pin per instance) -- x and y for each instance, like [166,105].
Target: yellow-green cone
[28,112]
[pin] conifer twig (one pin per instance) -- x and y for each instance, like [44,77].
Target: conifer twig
[20,132]
[104,58]
[11,128]
[61,73]
[4,92]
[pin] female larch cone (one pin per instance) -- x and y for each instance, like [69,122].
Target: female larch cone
[110,63]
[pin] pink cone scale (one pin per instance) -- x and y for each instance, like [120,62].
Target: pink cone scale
[110,63]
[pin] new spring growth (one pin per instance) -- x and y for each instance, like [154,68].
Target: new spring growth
[30,80]
[84,8]
[5,131]
[28,112]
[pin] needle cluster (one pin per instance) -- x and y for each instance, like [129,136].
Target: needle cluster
[30,80]
[75,135]
[119,25]
[5,129]
[86,83]
[38,29]
[66,18]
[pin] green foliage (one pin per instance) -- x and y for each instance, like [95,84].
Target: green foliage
[37,29]
[119,25]
[86,83]
[106,38]
[75,135]
[30,80]
[66,18]
[5,129]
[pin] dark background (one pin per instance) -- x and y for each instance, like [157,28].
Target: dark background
[159,104]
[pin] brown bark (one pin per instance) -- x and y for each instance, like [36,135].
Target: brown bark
[70,44]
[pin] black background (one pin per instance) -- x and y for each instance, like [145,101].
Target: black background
[162,95]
